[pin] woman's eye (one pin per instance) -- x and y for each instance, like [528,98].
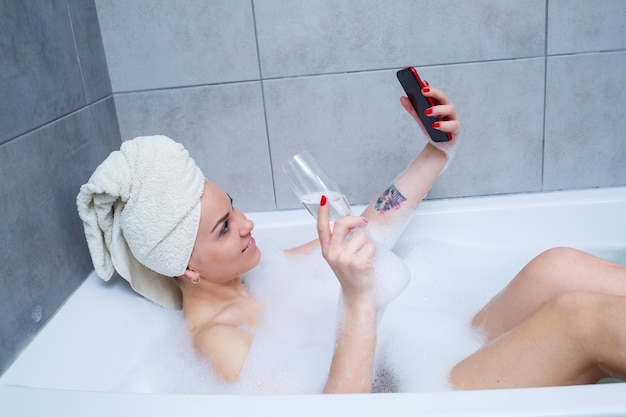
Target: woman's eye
[224,228]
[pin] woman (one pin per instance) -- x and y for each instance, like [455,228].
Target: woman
[150,215]
[167,221]
[218,307]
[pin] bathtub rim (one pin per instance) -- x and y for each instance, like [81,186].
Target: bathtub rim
[553,401]
[491,202]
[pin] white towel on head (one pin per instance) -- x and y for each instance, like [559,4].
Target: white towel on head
[141,211]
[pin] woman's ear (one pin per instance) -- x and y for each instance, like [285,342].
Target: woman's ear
[189,273]
[193,276]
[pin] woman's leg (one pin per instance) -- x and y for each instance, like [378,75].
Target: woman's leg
[552,273]
[573,339]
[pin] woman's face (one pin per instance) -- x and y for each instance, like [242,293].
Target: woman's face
[224,248]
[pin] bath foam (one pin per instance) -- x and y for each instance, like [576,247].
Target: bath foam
[392,276]
[427,329]
[170,364]
[294,344]
[292,348]
[421,335]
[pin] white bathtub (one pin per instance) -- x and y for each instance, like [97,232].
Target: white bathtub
[84,350]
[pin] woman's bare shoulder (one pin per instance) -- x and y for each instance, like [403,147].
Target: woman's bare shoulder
[226,346]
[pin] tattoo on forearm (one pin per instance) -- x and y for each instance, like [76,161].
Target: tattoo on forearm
[391,199]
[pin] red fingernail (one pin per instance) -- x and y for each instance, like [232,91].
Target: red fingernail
[323,201]
[426,90]
[425,82]
[428,112]
[436,124]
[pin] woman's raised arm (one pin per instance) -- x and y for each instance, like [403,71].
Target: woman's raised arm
[389,213]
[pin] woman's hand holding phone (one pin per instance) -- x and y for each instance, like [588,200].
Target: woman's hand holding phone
[432,110]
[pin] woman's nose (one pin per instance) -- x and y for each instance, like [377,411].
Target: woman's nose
[247,225]
[250,225]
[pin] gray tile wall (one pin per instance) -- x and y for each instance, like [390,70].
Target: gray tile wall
[57,122]
[246,84]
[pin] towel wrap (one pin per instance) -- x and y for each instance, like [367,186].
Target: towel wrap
[140,211]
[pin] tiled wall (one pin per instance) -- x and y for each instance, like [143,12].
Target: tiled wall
[57,121]
[540,87]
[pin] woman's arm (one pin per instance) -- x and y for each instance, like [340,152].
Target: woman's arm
[303,249]
[389,213]
[352,366]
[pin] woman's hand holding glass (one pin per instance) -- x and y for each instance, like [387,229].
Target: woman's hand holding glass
[349,252]
[347,246]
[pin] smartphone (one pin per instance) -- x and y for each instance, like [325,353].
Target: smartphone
[413,84]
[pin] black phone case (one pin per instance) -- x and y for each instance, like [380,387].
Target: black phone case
[412,85]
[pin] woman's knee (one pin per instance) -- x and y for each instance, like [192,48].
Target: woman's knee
[559,258]
[553,267]
[538,282]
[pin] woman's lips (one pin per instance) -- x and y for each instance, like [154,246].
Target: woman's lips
[251,245]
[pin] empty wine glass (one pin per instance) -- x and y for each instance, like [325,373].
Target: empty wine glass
[309,181]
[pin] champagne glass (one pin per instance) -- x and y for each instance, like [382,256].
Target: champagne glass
[309,182]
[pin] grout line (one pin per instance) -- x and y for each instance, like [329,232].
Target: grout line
[545,100]
[56,119]
[267,133]
[363,71]
[80,65]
